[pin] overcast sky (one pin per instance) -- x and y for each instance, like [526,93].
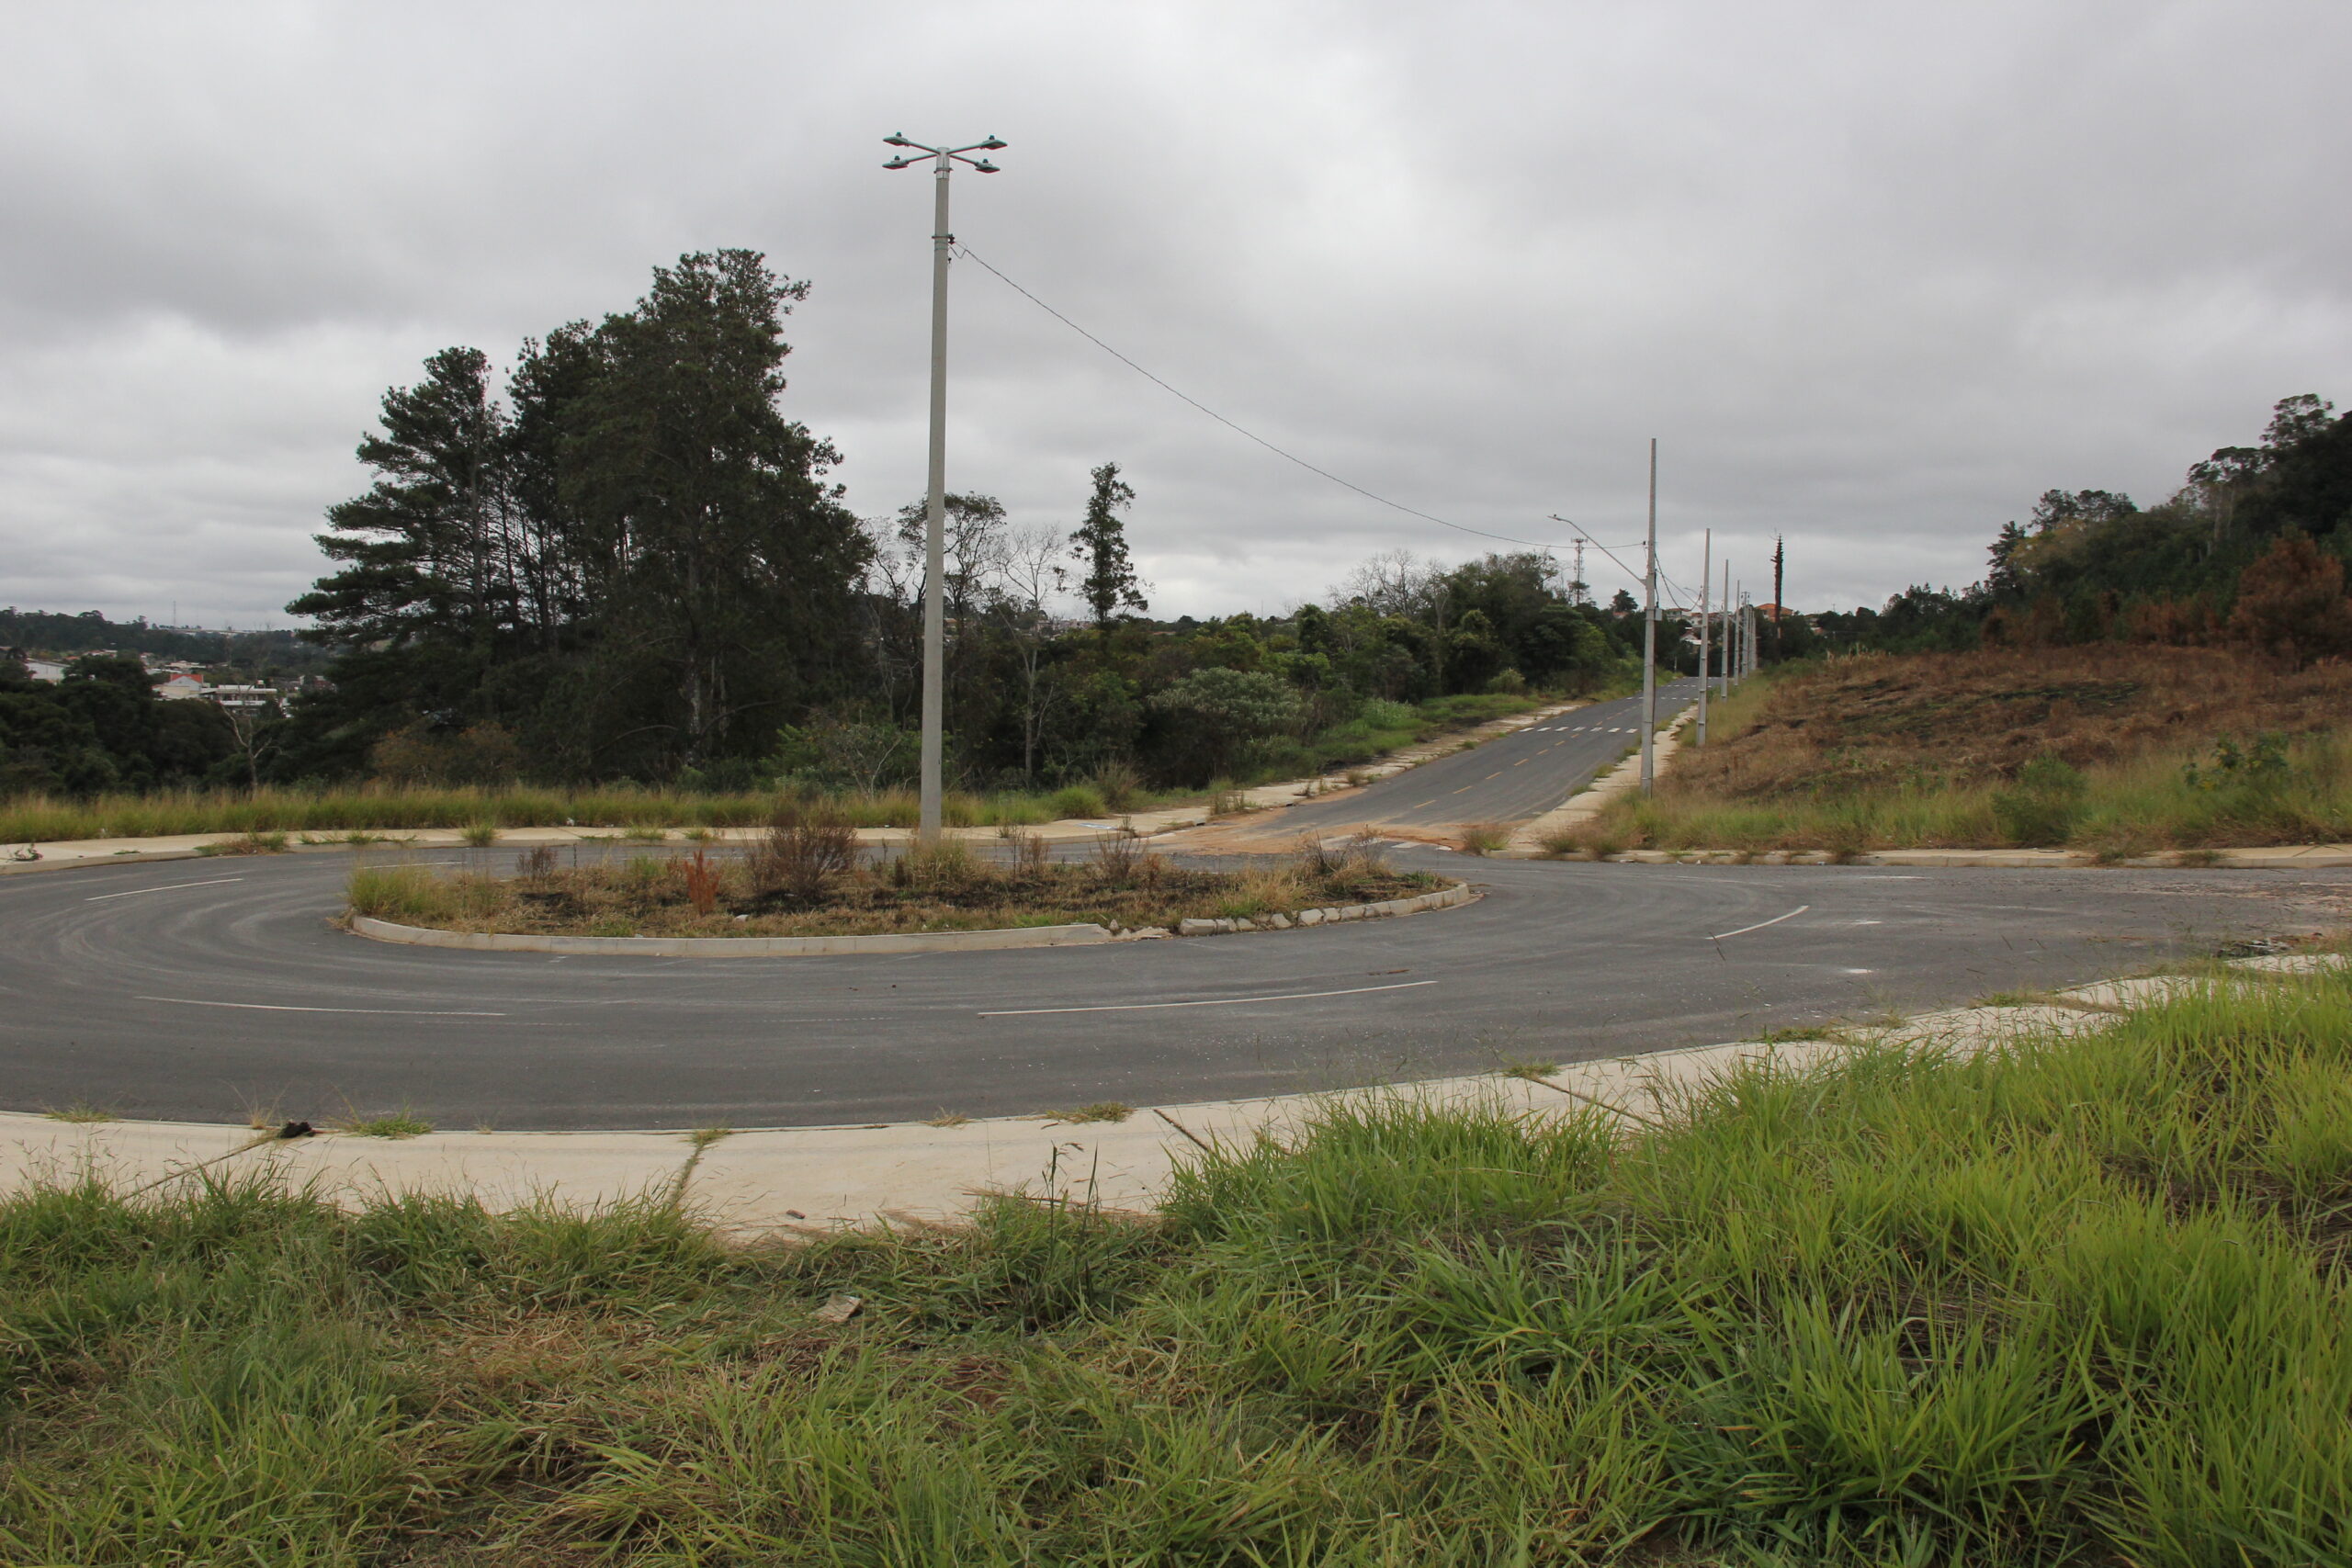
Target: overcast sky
[1874,274]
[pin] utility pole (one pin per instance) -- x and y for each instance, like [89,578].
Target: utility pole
[1649,639]
[1726,653]
[1706,570]
[934,511]
[1780,561]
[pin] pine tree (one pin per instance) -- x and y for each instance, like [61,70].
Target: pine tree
[732,560]
[1100,543]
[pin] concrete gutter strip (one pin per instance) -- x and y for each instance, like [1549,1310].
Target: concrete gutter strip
[737,946]
[815,1179]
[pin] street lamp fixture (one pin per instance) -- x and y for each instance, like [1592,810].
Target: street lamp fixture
[934,511]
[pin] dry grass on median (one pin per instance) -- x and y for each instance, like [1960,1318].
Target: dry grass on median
[813,879]
[2121,750]
[2083,1301]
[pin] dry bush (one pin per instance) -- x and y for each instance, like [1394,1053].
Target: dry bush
[1592,839]
[1361,854]
[947,866]
[1482,838]
[701,879]
[802,856]
[1118,854]
[1028,854]
[1119,784]
[537,864]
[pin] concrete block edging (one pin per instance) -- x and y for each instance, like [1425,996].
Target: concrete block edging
[1443,898]
[1085,935]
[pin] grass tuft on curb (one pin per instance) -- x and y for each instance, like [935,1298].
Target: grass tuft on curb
[402,1124]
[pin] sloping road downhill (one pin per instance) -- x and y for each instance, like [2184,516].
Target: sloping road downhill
[1512,778]
[196,989]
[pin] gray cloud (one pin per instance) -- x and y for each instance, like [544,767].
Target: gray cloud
[1875,275]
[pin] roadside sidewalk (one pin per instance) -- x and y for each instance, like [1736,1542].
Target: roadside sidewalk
[761,1182]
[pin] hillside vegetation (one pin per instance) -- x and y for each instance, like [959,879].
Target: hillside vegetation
[2080,1303]
[2125,749]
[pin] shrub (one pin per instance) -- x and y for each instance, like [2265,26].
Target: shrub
[801,855]
[1119,785]
[2043,805]
[1079,801]
[1482,838]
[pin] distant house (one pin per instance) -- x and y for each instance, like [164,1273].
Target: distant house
[243,697]
[48,669]
[181,685]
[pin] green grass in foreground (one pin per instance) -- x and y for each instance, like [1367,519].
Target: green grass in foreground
[2081,1302]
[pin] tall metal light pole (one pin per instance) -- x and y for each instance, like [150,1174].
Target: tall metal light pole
[1706,570]
[1649,639]
[1727,687]
[935,511]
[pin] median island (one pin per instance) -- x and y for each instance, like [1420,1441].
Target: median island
[813,878]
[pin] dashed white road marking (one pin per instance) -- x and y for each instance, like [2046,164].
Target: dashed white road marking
[1212,1002]
[280,1007]
[167,887]
[1760,925]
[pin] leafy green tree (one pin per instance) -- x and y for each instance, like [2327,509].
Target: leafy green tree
[1100,545]
[728,560]
[1217,717]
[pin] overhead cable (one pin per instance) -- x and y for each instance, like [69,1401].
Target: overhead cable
[1240,430]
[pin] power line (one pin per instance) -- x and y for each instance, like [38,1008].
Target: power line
[1677,595]
[1240,430]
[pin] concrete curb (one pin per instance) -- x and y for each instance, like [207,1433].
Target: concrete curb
[995,940]
[737,946]
[1443,898]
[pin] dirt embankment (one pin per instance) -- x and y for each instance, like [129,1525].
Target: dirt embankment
[1936,720]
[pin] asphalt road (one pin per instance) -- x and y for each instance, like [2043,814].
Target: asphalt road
[197,989]
[1507,780]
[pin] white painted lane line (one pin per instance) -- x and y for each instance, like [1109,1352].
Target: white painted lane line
[1217,1002]
[277,1006]
[1760,925]
[167,887]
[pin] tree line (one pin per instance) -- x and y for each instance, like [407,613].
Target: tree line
[2249,550]
[626,562]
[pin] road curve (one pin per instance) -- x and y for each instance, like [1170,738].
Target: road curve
[199,989]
